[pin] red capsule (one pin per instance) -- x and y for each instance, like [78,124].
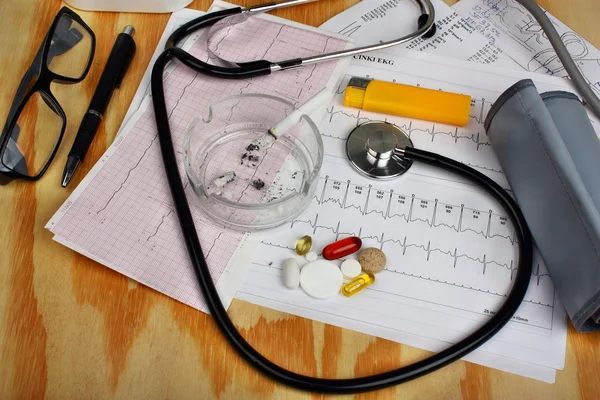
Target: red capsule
[342,248]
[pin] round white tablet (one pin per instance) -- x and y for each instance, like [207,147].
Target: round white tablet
[351,269]
[311,256]
[321,279]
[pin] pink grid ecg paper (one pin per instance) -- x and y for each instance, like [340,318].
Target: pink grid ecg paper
[124,215]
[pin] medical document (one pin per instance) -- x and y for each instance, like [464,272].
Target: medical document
[122,215]
[450,247]
[371,21]
[510,27]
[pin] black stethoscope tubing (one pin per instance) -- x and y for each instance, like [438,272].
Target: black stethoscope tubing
[425,28]
[213,302]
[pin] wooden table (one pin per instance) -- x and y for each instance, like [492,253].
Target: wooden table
[71,328]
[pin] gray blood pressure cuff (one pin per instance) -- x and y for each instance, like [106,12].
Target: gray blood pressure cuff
[550,154]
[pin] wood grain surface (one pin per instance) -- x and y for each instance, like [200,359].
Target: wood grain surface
[71,328]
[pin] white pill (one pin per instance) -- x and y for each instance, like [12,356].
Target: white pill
[311,256]
[351,269]
[291,273]
[321,279]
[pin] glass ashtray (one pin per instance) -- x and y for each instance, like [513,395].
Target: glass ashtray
[242,176]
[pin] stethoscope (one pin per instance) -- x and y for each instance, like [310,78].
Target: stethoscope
[426,28]
[374,151]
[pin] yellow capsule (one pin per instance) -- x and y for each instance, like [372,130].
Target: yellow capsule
[357,284]
[303,245]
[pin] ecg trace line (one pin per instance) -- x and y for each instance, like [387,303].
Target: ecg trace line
[484,168]
[214,243]
[162,220]
[139,161]
[122,184]
[509,267]
[474,138]
[428,249]
[465,287]
[408,217]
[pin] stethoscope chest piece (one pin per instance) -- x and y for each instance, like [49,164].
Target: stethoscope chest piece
[372,149]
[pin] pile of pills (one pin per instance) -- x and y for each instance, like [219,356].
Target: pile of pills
[324,278]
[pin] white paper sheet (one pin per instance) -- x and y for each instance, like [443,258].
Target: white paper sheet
[450,247]
[512,28]
[371,21]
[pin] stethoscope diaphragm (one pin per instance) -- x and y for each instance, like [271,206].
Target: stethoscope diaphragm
[373,149]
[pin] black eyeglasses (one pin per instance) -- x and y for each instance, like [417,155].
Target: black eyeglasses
[36,122]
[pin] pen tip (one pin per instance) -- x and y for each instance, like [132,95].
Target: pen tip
[66,178]
[70,167]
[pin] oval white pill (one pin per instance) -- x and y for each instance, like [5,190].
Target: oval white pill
[321,279]
[351,269]
[311,256]
[291,273]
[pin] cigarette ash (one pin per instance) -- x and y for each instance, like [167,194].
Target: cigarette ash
[250,157]
[257,184]
[224,179]
[226,195]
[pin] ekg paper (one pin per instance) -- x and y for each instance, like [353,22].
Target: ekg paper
[450,247]
[122,213]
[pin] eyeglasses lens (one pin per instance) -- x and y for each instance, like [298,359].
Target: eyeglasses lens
[70,51]
[34,137]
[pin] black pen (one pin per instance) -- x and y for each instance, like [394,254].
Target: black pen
[112,76]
